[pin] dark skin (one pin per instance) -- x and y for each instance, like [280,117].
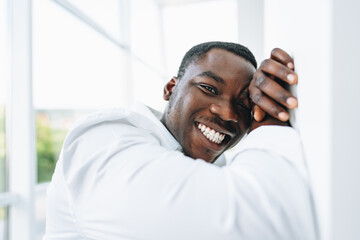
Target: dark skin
[214,94]
[267,90]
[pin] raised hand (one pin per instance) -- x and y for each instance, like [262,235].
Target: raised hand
[268,88]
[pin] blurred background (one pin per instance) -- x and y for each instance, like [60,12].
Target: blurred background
[62,59]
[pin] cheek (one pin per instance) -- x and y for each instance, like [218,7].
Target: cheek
[180,117]
[243,125]
[189,104]
[245,119]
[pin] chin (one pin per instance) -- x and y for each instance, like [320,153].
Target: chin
[210,158]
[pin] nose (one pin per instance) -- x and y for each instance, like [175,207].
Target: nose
[225,111]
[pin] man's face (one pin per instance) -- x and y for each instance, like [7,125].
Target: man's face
[209,109]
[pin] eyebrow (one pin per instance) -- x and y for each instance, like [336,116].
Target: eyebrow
[212,75]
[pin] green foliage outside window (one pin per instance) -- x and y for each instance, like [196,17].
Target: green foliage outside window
[51,129]
[2,159]
[2,149]
[49,141]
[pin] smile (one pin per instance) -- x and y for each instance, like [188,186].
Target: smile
[211,134]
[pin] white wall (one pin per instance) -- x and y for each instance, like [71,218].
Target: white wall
[323,35]
[345,143]
[190,24]
[251,26]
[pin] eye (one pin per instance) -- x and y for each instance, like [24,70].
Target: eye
[244,101]
[243,106]
[209,89]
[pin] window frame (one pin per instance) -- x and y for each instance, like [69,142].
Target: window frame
[20,128]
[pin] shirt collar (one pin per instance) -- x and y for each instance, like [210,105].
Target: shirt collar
[155,126]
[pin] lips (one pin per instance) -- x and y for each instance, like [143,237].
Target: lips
[211,134]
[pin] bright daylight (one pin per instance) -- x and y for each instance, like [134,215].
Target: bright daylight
[179,119]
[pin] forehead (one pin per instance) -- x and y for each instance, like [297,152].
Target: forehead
[230,67]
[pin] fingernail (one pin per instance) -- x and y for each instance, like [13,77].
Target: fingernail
[290,65]
[292,102]
[291,78]
[283,116]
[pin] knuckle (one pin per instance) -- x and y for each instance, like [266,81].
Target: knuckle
[283,73]
[275,110]
[252,85]
[256,97]
[275,51]
[265,62]
[255,75]
[261,81]
[281,97]
[253,80]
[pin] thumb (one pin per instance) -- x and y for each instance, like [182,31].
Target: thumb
[258,113]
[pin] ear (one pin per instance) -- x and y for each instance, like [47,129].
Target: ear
[169,87]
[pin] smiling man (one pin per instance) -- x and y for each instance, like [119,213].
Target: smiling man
[209,108]
[138,174]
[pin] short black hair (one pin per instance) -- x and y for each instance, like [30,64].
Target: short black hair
[199,51]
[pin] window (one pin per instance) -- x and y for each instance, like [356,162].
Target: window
[104,14]
[148,73]
[4,76]
[203,23]
[3,173]
[148,85]
[82,62]
[76,70]
[2,141]
[3,222]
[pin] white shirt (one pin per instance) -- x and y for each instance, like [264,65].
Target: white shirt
[119,176]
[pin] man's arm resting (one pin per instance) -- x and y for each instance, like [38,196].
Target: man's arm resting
[170,196]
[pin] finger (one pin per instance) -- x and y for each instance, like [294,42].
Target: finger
[275,91]
[268,105]
[259,114]
[282,57]
[276,69]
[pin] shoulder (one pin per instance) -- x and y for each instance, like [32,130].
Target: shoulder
[111,124]
[103,133]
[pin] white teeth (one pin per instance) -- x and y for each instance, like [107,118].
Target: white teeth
[211,134]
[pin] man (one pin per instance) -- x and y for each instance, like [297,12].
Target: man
[127,175]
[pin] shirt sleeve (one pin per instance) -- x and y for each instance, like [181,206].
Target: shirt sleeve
[269,185]
[133,188]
